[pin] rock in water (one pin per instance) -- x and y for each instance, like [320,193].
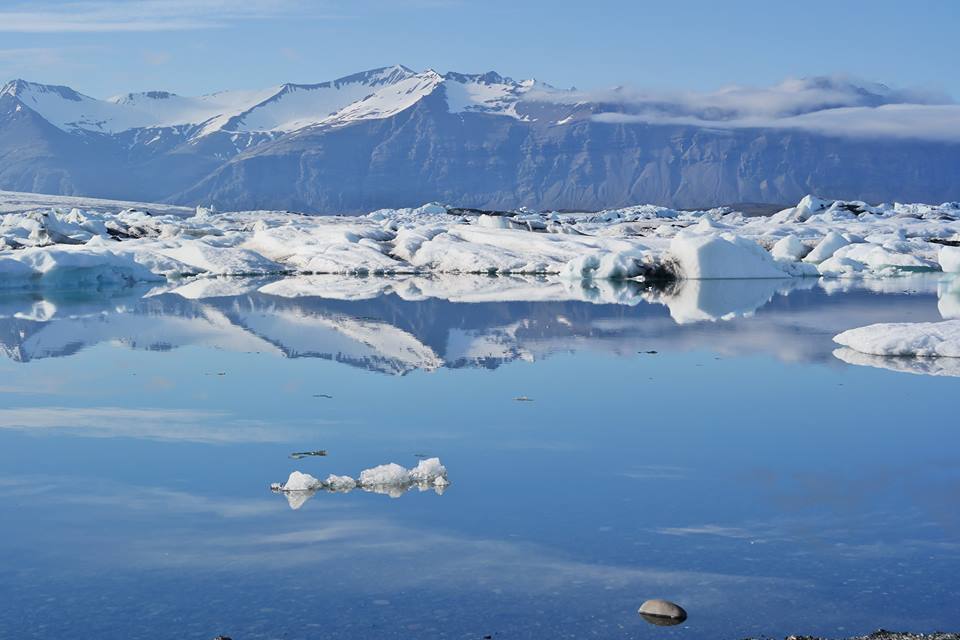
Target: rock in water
[662,612]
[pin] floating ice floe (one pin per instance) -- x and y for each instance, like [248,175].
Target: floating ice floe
[391,479]
[815,238]
[905,339]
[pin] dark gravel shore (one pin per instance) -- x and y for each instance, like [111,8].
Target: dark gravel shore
[891,635]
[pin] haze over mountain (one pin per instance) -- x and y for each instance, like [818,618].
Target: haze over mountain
[395,137]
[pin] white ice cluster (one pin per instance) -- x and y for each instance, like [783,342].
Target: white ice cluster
[900,339]
[391,479]
[815,238]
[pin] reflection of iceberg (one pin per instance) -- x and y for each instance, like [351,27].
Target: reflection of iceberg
[152,331]
[907,283]
[388,479]
[710,300]
[922,366]
[405,323]
[458,288]
[489,345]
[219,287]
[340,337]
[297,499]
[948,298]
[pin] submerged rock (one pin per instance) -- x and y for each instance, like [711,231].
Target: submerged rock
[662,612]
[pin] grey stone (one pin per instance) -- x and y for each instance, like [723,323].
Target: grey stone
[662,612]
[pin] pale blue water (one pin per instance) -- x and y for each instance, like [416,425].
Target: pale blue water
[742,471]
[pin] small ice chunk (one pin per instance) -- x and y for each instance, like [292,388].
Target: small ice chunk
[949,258]
[494,222]
[826,247]
[301,482]
[385,474]
[612,265]
[429,470]
[430,209]
[810,205]
[340,483]
[789,248]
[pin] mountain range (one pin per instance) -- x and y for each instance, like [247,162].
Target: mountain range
[393,137]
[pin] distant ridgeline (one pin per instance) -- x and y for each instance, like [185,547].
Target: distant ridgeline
[393,137]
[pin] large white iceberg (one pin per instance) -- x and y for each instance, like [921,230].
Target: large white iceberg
[705,256]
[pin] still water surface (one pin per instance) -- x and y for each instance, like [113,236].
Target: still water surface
[741,470]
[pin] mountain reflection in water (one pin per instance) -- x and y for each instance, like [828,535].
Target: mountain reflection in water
[398,325]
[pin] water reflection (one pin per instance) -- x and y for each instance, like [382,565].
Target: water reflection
[399,325]
[905,364]
[948,302]
[670,470]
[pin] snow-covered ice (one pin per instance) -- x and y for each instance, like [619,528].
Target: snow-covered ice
[340,484]
[429,471]
[385,474]
[100,243]
[707,255]
[915,339]
[300,482]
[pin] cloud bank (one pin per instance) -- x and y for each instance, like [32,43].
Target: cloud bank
[835,105]
[95,16]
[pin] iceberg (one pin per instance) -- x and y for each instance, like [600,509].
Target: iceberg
[102,244]
[726,255]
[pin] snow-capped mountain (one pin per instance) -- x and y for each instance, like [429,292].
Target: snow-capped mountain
[394,136]
[379,93]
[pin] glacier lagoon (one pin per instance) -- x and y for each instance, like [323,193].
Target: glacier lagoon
[709,444]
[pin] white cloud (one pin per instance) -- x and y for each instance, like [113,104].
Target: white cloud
[148,15]
[157,58]
[40,56]
[156,424]
[833,105]
[939,123]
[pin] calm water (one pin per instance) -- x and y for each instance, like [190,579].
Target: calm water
[742,470]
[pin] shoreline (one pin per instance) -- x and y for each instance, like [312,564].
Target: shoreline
[883,634]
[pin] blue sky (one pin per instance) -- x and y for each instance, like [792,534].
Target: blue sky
[104,47]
